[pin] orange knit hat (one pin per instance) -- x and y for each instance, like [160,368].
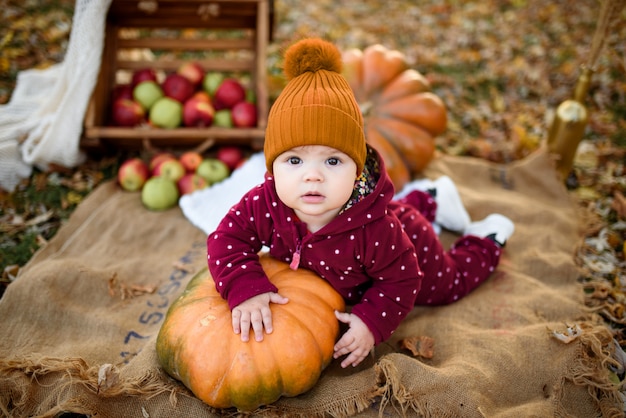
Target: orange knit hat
[316,107]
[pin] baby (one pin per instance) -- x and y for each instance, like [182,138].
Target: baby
[327,205]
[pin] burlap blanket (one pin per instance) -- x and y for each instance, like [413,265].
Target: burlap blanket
[79,325]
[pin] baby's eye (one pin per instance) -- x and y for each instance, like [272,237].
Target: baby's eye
[333,161]
[294,160]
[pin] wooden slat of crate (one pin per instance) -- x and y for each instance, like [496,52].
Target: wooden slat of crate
[253,15]
[233,14]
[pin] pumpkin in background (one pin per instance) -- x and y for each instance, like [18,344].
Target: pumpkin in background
[402,117]
[196,343]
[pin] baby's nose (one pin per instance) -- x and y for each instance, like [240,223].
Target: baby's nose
[313,174]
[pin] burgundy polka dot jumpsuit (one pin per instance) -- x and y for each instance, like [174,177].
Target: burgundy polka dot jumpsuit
[381,255]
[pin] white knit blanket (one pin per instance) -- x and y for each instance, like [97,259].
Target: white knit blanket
[43,121]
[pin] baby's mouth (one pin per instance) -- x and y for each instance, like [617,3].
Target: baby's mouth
[312,197]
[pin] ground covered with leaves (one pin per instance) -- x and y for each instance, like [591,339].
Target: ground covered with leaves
[501,67]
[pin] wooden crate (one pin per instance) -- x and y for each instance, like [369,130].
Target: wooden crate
[230,36]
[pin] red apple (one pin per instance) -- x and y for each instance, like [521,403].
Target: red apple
[191,182]
[157,159]
[230,155]
[192,71]
[202,96]
[178,87]
[190,160]
[198,113]
[144,74]
[171,169]
[132,174]
[229,93]
[122,91]
[127,112]
[241,163]
[244,115]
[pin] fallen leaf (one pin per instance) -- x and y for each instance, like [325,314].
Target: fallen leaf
[127,291]
[619,204]
[419,346]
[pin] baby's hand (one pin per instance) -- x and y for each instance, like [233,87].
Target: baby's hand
[255,312]
[358,340]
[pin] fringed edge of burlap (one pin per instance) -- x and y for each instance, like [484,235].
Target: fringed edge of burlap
[596,355]
[340,408]
[395,395]
[392,391]
[104,381]
[101,381]
[590,369]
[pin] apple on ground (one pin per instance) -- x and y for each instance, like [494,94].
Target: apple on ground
[171,169]
[212,81]
[223,118]
[144,74]
[166,113]
[230,155]
[159,193]
[147,93]
[191,182]
[132,174]
[190,160]
[178,87]
[242,162]
[228,94]
[213,170]
[198,113]
[126,112]
[244,115]
[158,158]
[193,72]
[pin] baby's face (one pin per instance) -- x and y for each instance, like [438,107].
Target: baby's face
[315,181]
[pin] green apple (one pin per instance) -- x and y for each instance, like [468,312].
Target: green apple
[212,81]
[223,118]
[166,113]
[147,93]
[159,193]
[250,96]
[213,170]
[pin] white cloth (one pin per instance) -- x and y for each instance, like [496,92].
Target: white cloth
[205,208]
[43,121]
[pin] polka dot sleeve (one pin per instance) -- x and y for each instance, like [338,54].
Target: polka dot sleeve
[232,251]
[391,263]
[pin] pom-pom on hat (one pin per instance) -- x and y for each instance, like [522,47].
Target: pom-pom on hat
[316,107]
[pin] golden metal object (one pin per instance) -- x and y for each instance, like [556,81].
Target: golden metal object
[568,126]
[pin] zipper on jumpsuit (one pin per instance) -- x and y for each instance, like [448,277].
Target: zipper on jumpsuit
[295,262]
[300,234]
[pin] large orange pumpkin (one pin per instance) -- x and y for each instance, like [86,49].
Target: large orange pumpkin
[197,346]
[402,117]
